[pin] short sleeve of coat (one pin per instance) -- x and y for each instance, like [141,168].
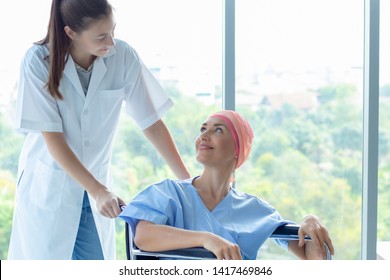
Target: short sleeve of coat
[155,204]
[147,101]
[36,109]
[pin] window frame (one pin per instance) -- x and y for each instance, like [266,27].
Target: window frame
[370,130]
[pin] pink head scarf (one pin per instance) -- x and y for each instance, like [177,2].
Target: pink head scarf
[241,132]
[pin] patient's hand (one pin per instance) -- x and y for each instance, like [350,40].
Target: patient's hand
[315,249]
[222,248]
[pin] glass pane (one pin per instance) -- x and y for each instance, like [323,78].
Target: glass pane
[300,82]
[28,25]
[181,42]
[383,248]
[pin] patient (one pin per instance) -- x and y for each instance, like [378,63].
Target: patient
[205,211]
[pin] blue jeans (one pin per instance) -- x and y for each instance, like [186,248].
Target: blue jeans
[87,246]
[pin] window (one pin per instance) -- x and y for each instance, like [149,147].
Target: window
[21,29]
[384,135]
[299,77]
[180,41]
[299,80]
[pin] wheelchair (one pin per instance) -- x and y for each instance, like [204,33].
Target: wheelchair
[287,232]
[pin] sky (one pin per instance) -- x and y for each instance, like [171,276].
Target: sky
[269,33]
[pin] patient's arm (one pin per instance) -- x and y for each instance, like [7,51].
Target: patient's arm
[153,237]
[314,249]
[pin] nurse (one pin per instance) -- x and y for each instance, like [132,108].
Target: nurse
[205,211]
[71,89]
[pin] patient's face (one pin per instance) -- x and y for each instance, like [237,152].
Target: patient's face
[215,145]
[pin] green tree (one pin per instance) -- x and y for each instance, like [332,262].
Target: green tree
[10,145]
[7,189]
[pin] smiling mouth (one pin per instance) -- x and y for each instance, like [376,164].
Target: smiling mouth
[204,147]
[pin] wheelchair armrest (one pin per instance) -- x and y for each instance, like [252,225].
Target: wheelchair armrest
[288,231]
[132,252]
[196,253]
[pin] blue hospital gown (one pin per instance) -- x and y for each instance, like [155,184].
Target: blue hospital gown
[240,218]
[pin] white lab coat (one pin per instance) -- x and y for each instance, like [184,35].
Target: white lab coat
[48,201]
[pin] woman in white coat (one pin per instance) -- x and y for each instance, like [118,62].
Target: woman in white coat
[71,89]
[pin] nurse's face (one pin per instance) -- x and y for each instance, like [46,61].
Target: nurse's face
[215,145]
[96,40]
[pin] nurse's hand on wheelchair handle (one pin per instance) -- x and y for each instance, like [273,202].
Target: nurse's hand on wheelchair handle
[107,203]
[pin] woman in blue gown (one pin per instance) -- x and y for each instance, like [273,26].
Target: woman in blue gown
[205,211]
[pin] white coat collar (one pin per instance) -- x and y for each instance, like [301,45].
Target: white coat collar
[98,73]
[71,73]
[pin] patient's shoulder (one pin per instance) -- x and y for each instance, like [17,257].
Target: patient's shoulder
[171,183]
[250,200]
[170,186]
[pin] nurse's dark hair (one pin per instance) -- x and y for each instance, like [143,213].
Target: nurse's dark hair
[78,15]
